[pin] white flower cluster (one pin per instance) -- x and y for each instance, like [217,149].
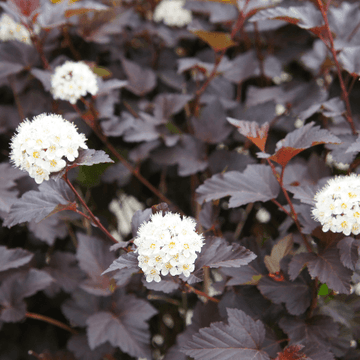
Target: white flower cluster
[172,13]
[11,30]
[337,205]
[167,244]
[72,80]
[40,144]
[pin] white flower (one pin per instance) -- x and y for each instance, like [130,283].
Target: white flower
[338,165]
[11,30]
[72,80]
[167,245]
[337,205]
[263,216]
[40,144]
[172,13]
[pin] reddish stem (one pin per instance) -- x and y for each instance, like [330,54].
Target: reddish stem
[104,139]
[200,293]
[50,321]
[344,92]
[93,217]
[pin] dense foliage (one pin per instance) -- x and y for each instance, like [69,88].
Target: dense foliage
[234,113]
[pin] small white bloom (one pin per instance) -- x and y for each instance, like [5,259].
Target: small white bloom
[72,80]
[172,13]
[37,146]
[263,216]
[167,245]
[337,205]
[11,30]
[338,165]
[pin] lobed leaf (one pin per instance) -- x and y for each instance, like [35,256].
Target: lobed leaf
[299,140]
[13,258]
[251,129]
[242,338]
[256,183]
[36,205]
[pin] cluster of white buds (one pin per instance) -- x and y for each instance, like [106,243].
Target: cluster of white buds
[72,80]
[167,245]
[172,13]
[11,30]
[40,145]
[337,205]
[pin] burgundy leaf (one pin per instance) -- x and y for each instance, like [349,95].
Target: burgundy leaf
[13,258]
[188,153]
[106,87]
[349,57]
[242,338]
[8,68]
[140,80]
[318,330]
[211,126]
[90,157]
[251,129]
[355,146]
[292,352]
[326,266]
[299,140]
[8,175]
[305,16]
[166,285]
[256,183]
[296,295]
[127,260]
[36,205]
[138,218]
[167,105]
[348,248]
[125,328]
[64,270]
[44,76]
[94,258]
[49,229]
[27,7]
[78,344]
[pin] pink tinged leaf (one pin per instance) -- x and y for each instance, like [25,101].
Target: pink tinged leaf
[241,339]
[256,183]
[13,258]
[251,129]
[301,139]
[27,7]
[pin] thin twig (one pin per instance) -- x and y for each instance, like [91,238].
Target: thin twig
[93,217]
[50,321]
[201,293]
[344,92]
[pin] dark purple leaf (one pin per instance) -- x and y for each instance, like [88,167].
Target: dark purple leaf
[117,172]
[140,80]
[304,193]
[125,328]
[318,330]
[218,12]
[211,126]
[355,146]
[349,58]
[63,268]
[299,140]
[17,287]
[348,248]
[106,87]
[296,295]
[166,285]
[8,68]
[340,152]
[188,154]
[13,258]
[90,157]
[326,266]
[36,205]
[315,58]
[44,76]
[167,105]
[250,129]
[138,218]
[8,175]
[127,260]
[78,344]
[256,183]
[49,229]
[305,16]
[117,126]
[242,338]
[94,258]
[143,128]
